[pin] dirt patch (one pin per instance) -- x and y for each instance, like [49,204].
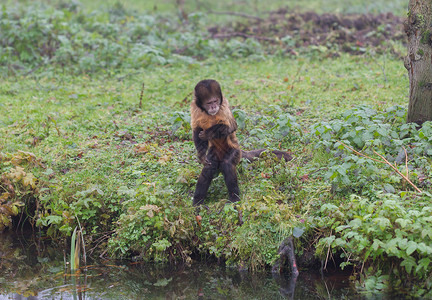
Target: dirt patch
[352,33]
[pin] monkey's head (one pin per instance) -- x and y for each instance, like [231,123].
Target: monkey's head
[208,96]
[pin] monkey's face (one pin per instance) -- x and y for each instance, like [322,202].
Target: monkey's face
[212,105]
[208,96]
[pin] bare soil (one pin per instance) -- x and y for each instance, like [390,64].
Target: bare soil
[352,33]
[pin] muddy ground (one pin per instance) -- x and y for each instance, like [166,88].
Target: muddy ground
[351,33]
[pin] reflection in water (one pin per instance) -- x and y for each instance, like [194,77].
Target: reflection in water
[33,270]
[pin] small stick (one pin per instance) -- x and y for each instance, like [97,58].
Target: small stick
[406,162]
[243,35]
[385,161]
[397,171]
[141,96]
[358,153]
[327,257]
[231,13]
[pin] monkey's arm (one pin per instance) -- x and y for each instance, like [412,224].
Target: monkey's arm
[200,145]
[217,131]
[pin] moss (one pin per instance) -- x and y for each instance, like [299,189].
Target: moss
[420,20]
[425,37]
[425,85]
[420,52]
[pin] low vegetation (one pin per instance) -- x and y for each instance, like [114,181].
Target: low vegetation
[94,127]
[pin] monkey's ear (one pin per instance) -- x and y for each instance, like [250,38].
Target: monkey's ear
[217,90]
[199,102]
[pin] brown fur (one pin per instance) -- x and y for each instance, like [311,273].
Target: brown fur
[200,119]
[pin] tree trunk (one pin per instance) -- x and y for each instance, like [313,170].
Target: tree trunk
[418,62]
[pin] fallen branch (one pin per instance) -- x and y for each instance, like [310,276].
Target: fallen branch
[231,13]
[243,35]
[397,171]
[385,161]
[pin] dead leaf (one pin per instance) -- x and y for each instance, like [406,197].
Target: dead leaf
[172,230]
[165,158]
[151,209]
[29,180]
[16,173]
[141,148]
[4,197]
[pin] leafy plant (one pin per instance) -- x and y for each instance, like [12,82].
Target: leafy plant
[18,185]
[35,36]
[153,228]
[179,119]
[392,233]
[367,130]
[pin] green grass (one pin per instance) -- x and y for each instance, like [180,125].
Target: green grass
[321,87]
[259,7]
[252,7]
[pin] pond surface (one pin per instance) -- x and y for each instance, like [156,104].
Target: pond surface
[30,269]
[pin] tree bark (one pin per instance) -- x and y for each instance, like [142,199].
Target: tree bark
[418,62]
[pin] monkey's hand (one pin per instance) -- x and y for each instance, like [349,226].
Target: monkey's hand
[205,162]
[202,135]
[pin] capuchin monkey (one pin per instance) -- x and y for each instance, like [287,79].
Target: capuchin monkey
[214,127]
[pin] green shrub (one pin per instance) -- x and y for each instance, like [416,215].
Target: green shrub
[366,130]
[39,35]
[391,235]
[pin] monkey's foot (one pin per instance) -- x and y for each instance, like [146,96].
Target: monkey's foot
[197,201]
[234,198]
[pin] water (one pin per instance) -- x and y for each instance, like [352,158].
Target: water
[30,269]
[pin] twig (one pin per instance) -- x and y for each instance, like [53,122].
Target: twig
[385,161]
[32,70]
[98,241]
[327,289]
[127,75]
[358,153]
[406,162]
[327,257]
[243,35]
[397,171]
[37,67]
[141,96]
[231,13]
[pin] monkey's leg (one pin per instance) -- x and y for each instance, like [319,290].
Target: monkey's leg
[203,182]
[229,171]
[230,176]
